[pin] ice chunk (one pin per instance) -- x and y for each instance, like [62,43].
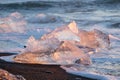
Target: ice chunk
[13,23]
[43,18]
[94,39]
[87,39]
[34,58]
[102,38]
[68,53]
[73,27]
[64,33]
[16,15]
[40,46]
[64,45]
[5,75]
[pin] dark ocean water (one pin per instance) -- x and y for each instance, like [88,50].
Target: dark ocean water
[83,11]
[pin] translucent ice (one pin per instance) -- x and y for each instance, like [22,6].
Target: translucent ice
[13,23]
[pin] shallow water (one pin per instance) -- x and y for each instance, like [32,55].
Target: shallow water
[89,14]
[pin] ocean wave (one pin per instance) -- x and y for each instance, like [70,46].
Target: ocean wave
[15,4]
[108,1]
[43,3]
[20,1]
[24,5]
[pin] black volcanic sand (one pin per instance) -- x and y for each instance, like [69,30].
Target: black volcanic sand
[38,71]
[6,54]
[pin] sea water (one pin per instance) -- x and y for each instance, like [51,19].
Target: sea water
[43,16]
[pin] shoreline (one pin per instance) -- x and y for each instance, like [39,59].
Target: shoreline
[6,54]
[38,71]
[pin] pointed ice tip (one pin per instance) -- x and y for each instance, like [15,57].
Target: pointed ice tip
[31,38]
[73,27]
[16,15]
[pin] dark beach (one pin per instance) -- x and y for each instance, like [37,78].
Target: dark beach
[37,71]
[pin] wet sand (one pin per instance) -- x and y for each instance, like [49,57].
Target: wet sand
[6,54]
[38,71]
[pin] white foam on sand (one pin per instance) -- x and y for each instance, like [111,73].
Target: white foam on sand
[8,58]
[91,75]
